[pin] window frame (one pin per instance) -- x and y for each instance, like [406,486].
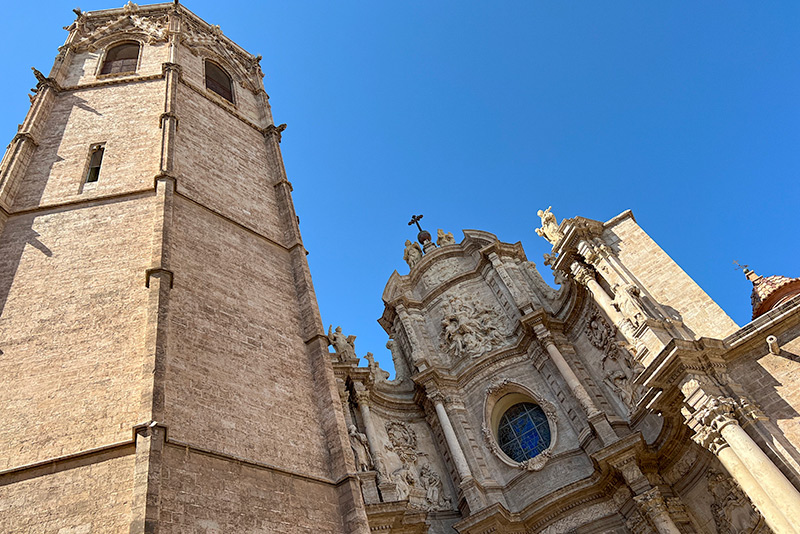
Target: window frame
[223,70]
[101,64]
[93,149]
[500,397]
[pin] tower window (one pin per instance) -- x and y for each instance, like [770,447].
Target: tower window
[121,59]
[523,432]
[217,80]
[95,161]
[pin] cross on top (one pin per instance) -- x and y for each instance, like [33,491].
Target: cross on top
[740,266]
[415,220]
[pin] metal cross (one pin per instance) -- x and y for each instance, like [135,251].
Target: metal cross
[415,220]
[740,266]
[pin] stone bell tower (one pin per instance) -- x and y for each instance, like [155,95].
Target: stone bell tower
[163,360]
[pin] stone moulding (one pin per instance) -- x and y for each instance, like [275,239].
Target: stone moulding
[493,410]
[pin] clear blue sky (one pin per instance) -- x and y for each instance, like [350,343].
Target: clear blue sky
[477,114]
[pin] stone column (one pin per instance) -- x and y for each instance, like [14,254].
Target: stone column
[652,504]
[714,442]
[584,275]
[566,371]
[388,489]
[774,496]
[460,461]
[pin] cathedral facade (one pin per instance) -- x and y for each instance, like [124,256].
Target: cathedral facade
[165,368]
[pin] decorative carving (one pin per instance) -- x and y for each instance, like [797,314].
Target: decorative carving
[469,328]
[717,413]
[344,346]
[378,374]
[432,483]
[651,502]
[732,511]
[400,367]
[360,446]
[628,302]
[582,273]
[637,524]
[89,30]
[549,229]
[496,390]
[443,239]
[412,253]
[404,441]
[620,369]
[405,479]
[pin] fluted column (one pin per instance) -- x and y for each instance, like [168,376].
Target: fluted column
[456,453]
[584,275]
[775,497]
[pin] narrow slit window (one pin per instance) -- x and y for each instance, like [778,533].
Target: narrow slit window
[218,81]
[121,59]
[95,161]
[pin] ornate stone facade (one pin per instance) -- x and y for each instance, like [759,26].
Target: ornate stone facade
[624,400]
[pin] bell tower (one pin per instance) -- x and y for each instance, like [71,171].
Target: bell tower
[163,359]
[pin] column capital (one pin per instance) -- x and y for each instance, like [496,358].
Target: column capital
[582,273]
[651,502]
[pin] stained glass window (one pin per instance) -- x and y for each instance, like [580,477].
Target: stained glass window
[523,432]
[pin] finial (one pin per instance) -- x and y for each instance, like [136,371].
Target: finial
[748,272]
[77,11]
[424,237]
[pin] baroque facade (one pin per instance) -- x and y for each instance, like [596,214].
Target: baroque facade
[165,368]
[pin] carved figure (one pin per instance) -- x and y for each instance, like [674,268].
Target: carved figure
[360,446]
[628,302]
[412,254]
[403,441]
[469,329]
[344,346]
[375,370]
[444,239]
[400,367]
[733,513]
[405,480]
[549,229]
[619,368]
[432,483]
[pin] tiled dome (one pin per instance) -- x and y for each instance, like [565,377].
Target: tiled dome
[770,291]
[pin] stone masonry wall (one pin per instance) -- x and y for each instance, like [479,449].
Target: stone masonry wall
[90,498]
[82,118]
[203,494]
[222,163]
[238,377]
[72,296]
[666,281]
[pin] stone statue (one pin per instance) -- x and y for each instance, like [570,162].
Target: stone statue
[444,239]
[732,510]
[344,346]
[549,229]
[378,374]
[432,483]
[360,446]
[628,302]
[400,366]
[412,254]
[405,480]
[620,372]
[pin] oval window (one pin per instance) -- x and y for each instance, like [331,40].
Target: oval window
[523,431]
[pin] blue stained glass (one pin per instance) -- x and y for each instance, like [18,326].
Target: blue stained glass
[524,431]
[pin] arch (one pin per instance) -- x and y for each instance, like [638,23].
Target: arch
[121,58]
[218,80]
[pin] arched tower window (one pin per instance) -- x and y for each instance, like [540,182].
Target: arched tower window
[523,431]
[217,80]
[121,58]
